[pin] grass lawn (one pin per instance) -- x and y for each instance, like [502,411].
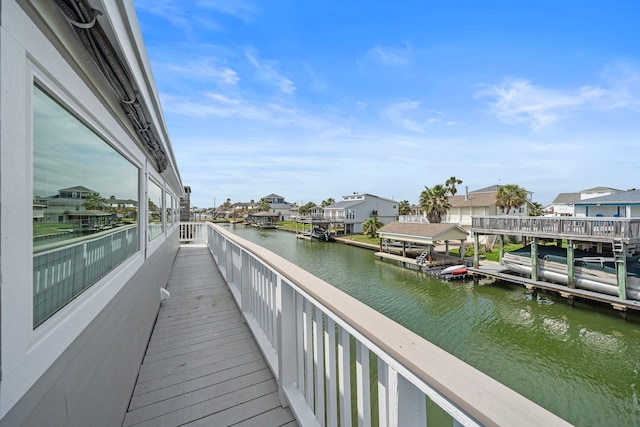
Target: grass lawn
[42,229]
[362,238]
[494,255]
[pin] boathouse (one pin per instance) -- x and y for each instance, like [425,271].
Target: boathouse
[405,241]
[594,258]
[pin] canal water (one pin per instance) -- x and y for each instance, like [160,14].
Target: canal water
[581,363]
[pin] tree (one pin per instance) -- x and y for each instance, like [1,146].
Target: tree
[535,209]
[404,207]
[327,202]
[510,196]
[94,202]
[371,226]
[304,210]
[434,202]
[451,184]
[264,205]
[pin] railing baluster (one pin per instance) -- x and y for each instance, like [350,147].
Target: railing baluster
[385,395]
[331,377]
[318,363]
[363,385]
[308,351]
[344,376]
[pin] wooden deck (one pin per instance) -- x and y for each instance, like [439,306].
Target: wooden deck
[202,365]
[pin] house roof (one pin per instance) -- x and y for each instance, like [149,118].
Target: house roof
[422,232]
[344,204]
[622,198]
[273,196]
[565,198]
[490,189]
[600,190]
[78,188]
[474,200]
[365,195]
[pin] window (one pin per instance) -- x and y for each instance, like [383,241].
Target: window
[155,210]
[168,203]
[89,198]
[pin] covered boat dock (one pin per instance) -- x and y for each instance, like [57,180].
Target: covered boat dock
[612,242]
[414,243]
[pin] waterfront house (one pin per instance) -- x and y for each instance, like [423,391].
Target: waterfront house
[279,206]
[80,114]
[625,204]
[480,202]
[356,208]
[563,204]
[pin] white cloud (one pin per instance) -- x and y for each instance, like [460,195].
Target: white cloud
[218,105]
[391,56]
[205,69]
[409,115]
[244,10]
[519,101]
[267,72]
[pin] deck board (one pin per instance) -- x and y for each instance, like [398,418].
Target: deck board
[202,365]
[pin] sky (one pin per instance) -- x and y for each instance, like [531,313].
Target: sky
[313,99]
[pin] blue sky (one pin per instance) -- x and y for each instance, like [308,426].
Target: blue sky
[318,99]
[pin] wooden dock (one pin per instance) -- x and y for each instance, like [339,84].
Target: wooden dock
[202,365]
[498,272]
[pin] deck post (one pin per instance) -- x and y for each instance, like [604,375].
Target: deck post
[462,249]
[570,265]
[476,251]
[500,248]
[620,254]
[534,259]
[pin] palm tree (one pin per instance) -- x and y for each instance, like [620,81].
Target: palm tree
[94,201]
[305,209]
[510,196]
[404,207]
[451,184]
[327,202]
[264,205]
[434,202]
[535,209]
[371,226]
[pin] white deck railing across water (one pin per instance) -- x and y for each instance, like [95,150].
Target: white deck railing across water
[319,342]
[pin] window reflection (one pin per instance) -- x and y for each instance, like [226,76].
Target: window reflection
[85,207]
[155,210]
[169,209]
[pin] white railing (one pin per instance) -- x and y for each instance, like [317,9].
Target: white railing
[62,273]
[155,229]
[193,232]
[319,342]
[589,228]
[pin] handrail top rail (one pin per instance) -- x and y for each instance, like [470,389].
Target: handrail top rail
[77,241]
[482,397]
[559,218]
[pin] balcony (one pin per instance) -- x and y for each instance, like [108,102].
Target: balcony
[597,229]
[331,360]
